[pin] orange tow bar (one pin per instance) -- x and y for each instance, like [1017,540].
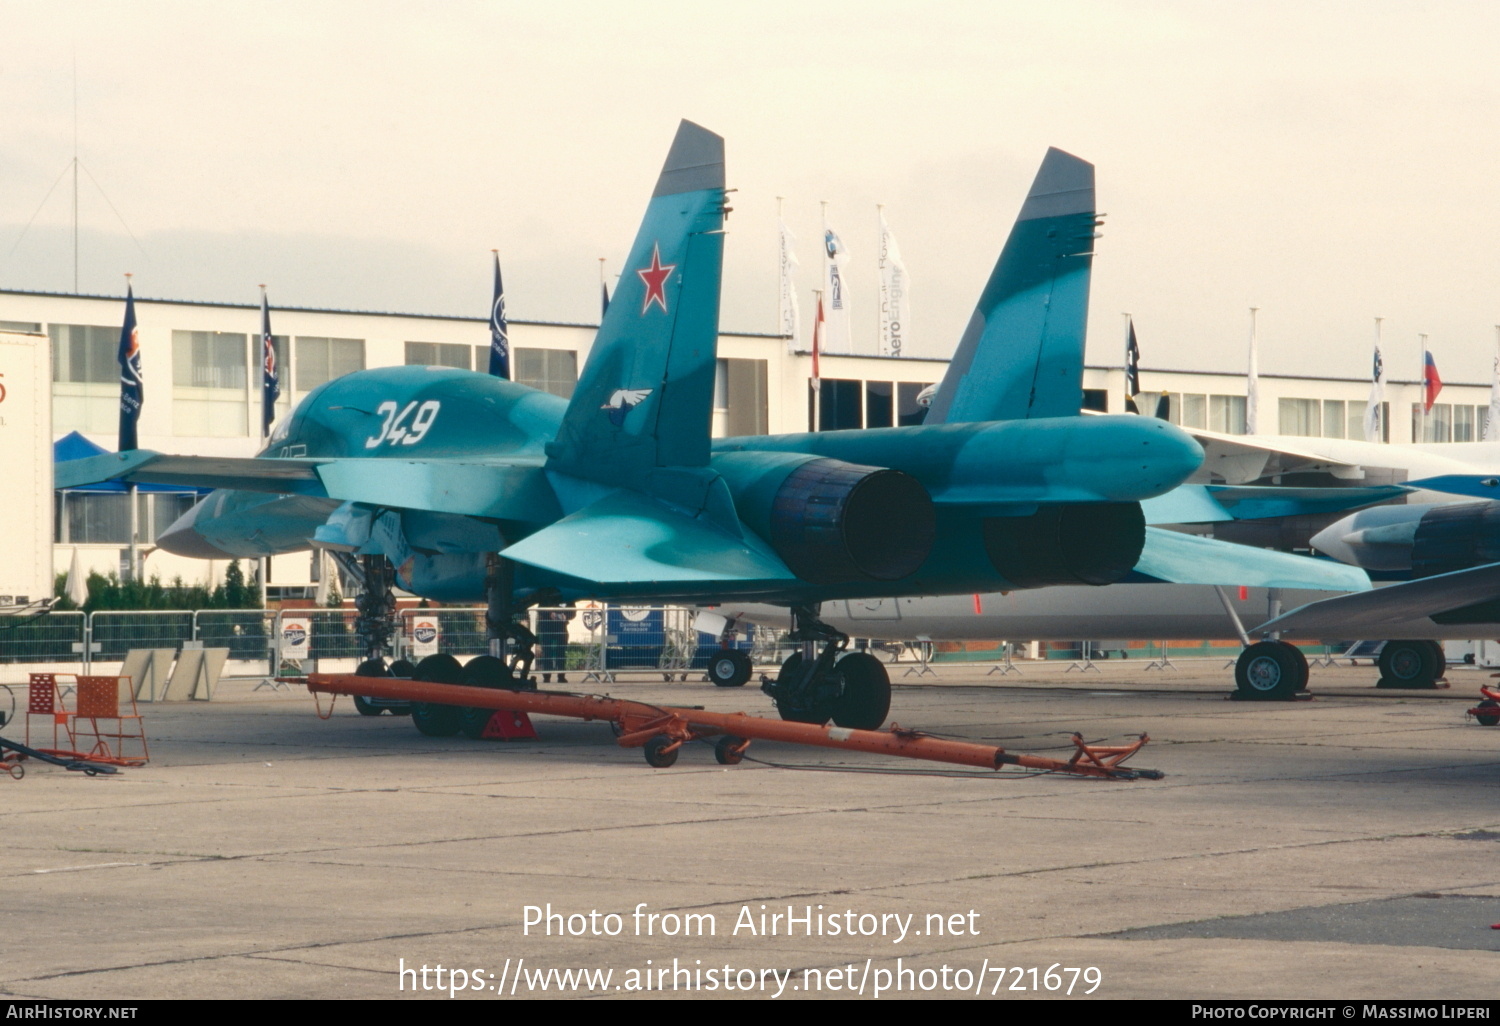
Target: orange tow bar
[662,730]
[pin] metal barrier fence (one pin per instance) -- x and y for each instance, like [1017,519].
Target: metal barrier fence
[596,640]
[54,638]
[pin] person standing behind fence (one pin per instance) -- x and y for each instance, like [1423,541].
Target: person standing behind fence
[552,639]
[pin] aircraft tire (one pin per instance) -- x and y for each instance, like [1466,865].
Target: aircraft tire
[369,668]
[484,671]
[1493,717]
[794,713]
[1409,664]
[430,718]
[866,700]
[654,754]
[729,668]
[1270,671]
[402,668]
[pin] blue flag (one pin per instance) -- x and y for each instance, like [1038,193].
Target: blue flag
[132,392]
[499,337]
[270,384]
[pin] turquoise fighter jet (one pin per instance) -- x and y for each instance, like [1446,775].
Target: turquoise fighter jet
[459,486]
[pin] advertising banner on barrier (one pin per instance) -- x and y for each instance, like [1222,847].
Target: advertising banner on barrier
[296,638]
[424,637]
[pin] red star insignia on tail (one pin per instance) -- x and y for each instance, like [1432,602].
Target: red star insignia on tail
[655,278]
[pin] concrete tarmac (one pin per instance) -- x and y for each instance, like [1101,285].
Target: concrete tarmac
[1343,848]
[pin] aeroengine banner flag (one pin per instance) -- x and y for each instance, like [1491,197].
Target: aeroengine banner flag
[895,295]
[1431,383]
[1492,422]
[838,336]
[1373,408]
[270,386]
[789,315]
[1132,364]
[499,333]
[132,389]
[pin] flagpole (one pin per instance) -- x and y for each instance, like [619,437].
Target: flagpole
[135,518]
[1252,382]
[265,561]
[1422,388]
[880,297]
[780,242]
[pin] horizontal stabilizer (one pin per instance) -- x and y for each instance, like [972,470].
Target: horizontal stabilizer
[142,466]
[627,538]
[1204,504]
[1478,486]
[1397,603]
[1188,559]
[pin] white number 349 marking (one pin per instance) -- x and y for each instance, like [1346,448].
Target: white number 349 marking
[407,427]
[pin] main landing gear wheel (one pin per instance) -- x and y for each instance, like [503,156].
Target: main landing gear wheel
[369,668]
[430,718]
[1493,716]
[866,698]
[730,668]
[481,672]
[1270,671]
[1410,664]
[819,711]
[402,668]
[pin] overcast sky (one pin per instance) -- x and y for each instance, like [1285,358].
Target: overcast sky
[1325,161]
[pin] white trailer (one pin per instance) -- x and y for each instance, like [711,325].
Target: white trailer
[25,472]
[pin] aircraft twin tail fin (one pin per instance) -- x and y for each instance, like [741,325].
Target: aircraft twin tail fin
[1022,354]
[645,398]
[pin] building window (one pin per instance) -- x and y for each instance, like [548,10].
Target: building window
[1222,413]
[28,327]
[84,353]
[909,412]
[547,370]
[1322,418]
[880,404]
[840,405]
[440,354]
[320,360]
[743,396]
[1096,399]
[208,359]
[1449,423]
[99,518]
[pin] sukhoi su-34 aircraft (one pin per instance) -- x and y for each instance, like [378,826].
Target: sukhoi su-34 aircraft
[459,486]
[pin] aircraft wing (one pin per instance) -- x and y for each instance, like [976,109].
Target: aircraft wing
[1177,558]
[297,476]
[503,491]
[1429,597]
[1204,504]
[627,538]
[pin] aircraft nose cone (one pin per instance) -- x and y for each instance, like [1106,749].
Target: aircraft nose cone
[1171,455]
[1330,541]
[184,539]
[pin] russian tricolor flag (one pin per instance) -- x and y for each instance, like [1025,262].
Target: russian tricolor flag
[1432,384]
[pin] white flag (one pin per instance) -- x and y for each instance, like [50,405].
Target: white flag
[1373,431]
[838,338]
[77,586]
[895,295]
[789,317]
